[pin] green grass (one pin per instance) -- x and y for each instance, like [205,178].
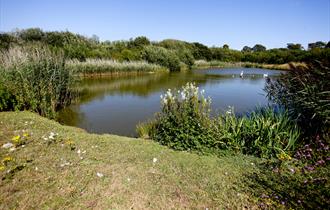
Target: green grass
[131,179]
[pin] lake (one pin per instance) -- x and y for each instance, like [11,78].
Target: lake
[117,104]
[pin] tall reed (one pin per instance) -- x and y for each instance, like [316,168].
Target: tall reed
[100,66]
[35,79]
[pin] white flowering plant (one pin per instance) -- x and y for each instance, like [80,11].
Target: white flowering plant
[184,121]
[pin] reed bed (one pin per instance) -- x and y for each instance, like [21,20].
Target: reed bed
[34,78]
[203,64]
[101,66]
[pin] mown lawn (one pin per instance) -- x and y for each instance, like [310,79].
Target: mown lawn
[77,170]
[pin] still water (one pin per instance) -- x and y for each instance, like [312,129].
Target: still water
[117,104]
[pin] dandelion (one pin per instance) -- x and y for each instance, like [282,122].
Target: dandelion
[2,168]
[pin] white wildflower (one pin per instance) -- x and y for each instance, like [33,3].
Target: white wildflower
[7,145]
[99,174]
[183,95]
[154,160]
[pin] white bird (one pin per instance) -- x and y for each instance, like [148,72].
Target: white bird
[265,75]
[241,75]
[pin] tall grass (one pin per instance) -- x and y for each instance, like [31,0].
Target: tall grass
[305,92]
[34,78]
[184,123]
[264,132]
[100,66]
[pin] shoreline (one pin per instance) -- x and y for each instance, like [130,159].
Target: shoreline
[218,64]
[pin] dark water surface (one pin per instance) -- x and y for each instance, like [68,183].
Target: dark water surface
[117,104]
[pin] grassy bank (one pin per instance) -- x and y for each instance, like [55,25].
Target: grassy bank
[60,171]
[202,64]
[99,66]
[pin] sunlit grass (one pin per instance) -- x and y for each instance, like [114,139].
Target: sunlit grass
[101,66]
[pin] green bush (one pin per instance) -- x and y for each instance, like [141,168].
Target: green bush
[184,123]
[34,78]
[161,56]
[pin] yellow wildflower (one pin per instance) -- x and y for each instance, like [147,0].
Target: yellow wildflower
[7,160]
[2,168]
[16,138]
[284,156]
[25,135]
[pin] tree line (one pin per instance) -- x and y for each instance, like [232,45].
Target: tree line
[169,53]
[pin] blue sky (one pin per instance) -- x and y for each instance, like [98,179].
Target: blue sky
[273,23]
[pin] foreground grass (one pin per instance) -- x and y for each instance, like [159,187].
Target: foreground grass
[62,172]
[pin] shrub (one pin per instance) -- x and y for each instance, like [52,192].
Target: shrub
[161,56]
[184,123]
[35,79]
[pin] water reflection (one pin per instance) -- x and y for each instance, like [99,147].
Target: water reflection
[117,104]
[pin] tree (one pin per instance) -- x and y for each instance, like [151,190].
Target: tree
[247,49]
[95,39]
[292,46]
[32,34]
[225,46]
[5,40]
[314,45]
[139,41]
[161,56]
[201,51]
[258,48]
[328,45]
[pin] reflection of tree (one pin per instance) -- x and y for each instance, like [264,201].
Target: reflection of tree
[135,85]
[70,116]
[144,85]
